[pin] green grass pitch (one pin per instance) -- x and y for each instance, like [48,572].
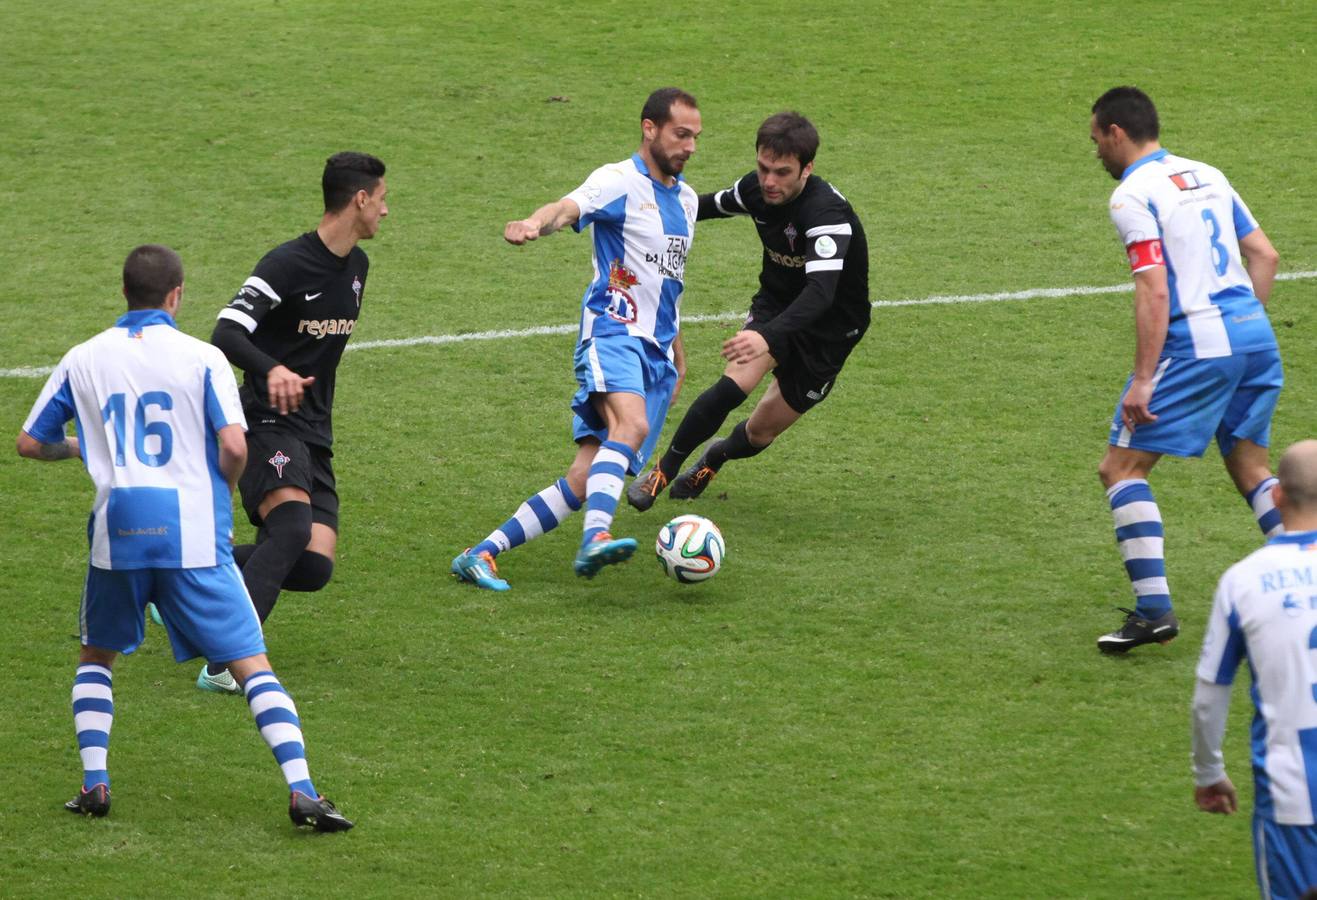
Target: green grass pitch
[890,690]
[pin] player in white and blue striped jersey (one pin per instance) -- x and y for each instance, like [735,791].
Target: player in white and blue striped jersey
[629,361]
[1206,364]
[160,429]
[1265,612]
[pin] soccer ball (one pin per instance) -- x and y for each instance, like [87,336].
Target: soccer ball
[690,548]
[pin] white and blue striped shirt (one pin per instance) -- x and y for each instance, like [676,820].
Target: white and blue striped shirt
[642,234]
[147,402]
[1265,613]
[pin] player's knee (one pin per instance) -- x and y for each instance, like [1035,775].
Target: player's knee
[288,525]
[311,572]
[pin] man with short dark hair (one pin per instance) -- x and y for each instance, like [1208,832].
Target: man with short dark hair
[811,309]
[1206,364]
[629,362]
[286,329]
[1265,613]
[160,430]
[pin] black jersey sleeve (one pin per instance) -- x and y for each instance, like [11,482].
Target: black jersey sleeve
[233,339]
[259,294]
[827,238]
[732,201]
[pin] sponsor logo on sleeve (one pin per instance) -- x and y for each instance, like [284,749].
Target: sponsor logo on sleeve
[825,247]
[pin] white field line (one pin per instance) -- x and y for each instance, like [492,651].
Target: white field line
[511,334]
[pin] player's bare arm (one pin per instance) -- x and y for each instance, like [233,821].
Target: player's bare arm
[678,361]
[286,388]
[1152,311]
[31,448]
[1262,260]
[544,221]
[232,453]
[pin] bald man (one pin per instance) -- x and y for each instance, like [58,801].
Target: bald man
[1265,610]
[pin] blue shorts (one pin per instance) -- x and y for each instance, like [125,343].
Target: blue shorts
[1285,856]
[1229,398]
[622,364]
[207,611]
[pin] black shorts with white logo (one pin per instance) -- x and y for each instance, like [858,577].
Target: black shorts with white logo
[276,459]
[808,369]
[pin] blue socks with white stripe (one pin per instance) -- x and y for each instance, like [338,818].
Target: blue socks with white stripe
[603,487]
[93,713]
[1139,535]
[276,717]
[1264,508]
[543,512]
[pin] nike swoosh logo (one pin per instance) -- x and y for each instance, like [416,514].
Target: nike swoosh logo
[313,296]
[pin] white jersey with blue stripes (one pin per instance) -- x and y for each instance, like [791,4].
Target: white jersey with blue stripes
[1265,612]
[1199,218]
[147,402]
[642,234]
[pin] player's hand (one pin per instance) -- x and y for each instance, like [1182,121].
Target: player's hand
[521,231]
[1134,408]
[286,388]
[744,347]
[1217,798]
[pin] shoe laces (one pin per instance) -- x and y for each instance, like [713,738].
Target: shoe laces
[488,559]
[702,474]
[655,483]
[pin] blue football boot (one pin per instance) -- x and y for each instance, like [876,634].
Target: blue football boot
[478,569]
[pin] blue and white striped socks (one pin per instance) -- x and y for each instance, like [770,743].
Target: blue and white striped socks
[603,487]
[93,714]
[1264,508]
[1139,535]
[543,512]
[276,717]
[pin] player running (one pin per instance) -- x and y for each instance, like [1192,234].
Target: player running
[286,329]
[629,362]
[811,309]
[160,430]
[1265,612]
[1206,362]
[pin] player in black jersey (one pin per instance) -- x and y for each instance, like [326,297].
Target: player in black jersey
[286,329]
[811,309]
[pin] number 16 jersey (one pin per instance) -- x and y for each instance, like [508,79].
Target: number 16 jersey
[147,402]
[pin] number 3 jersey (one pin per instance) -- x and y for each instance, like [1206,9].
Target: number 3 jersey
[147,402]
[1265,612]
[1184,215]
[642,234]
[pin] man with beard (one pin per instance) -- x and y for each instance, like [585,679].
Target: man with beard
[1206,364]
[629,361]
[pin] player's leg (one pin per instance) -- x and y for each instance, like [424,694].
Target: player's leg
[112,621]
[701,422]
[281,729]
[286,517]
[538,514]
[93,715]
[1124,473]
[1245,433]
[626,422]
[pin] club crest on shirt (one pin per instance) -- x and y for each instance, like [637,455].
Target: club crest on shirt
[279,460]
[621,306]
[791,233]
[356,288]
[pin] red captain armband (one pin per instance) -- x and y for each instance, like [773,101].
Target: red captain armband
[1145,255]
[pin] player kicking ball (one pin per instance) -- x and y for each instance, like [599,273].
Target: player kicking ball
[161,433]
[628,361]
[811,309]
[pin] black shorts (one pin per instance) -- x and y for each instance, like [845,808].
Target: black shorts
[808,369]
[276,459]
